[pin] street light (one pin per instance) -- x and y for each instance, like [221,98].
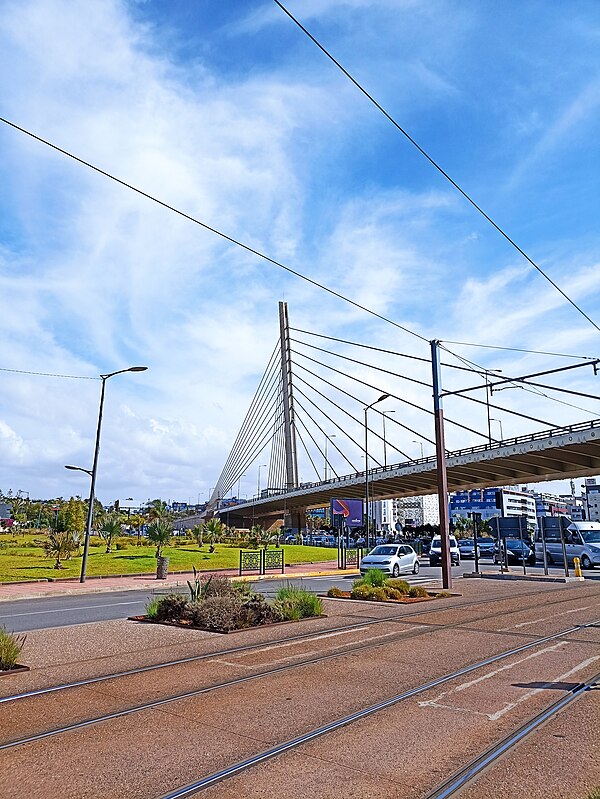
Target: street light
[383,413]
[500,423]
[367,408]
[262,466]
[325,465]
[420,443]
[94,470]
[239,481]
[487,400]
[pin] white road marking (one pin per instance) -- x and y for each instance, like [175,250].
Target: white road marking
[546,618]
[465,685]
[67,610]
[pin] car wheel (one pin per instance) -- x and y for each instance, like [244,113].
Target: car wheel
[395,570]
[416,567]
[549,558]
[586,563]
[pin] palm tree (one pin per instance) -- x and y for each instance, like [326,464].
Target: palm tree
[157,509]
[110,528]
[61,544]
[159,533]
[214,528]
[198,533]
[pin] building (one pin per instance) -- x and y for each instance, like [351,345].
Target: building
[489,502]
[549,505]
[406,512]
[591,500]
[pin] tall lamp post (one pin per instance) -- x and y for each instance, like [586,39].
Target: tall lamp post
[325,465]
[420,443]
[262,466]
[94,470]
[487,400]
[383,413]
[367,518]
[239,481]
[500,423]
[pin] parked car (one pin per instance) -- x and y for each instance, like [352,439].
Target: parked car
[393,559]
[435,551]
[516,552]
[486,546]
[582,540]
[466,547]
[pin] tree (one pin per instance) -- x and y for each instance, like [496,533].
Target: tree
[198,533]
[61,544]
[136,520]
[214,529]
[157,509]
[159,533]
[110,528]
[74,516]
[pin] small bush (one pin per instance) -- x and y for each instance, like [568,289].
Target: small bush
[172,607]
[10,649]
[379,594]
[334,591]
[393,593]
[398,585]
[96,541]
[375,577]
[218,613]
[297,603]
[3,545]
[152,607]
[122,543]
[257,610]
[443,594]
[361,592]
[417,591]
[219,585]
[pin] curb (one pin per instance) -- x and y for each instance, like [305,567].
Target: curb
[534,578]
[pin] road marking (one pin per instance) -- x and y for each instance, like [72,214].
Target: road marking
[546,618]
[66,610]
[465,685]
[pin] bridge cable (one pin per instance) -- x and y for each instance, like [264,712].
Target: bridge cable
[437,166]
[308,454]
[303,423]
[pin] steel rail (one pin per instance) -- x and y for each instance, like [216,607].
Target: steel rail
[268,754]
[250,647]
[473,769]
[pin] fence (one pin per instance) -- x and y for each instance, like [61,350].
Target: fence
[348,558]
[261,560]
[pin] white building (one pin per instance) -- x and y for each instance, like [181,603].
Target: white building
[412,511]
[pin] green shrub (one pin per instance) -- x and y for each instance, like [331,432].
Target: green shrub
[10,649]
[417,591]
[361,592]
[3,545]
[297,603]
[399,585]
[393,593]
[96,541]
[152,607]
[379,594]
[218,613]
[257,610]
[122,543]
[445,595]
[375,577]
[172,607]
[334,591]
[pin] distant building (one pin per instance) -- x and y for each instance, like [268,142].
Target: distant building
[549,505]
[591,500]
[5,510]
[506,502]
[390,514]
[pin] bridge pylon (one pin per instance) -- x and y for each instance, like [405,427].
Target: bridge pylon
[289,428]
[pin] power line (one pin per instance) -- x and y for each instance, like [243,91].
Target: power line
[211,229]
[436,165]
[47,374]
[519,349]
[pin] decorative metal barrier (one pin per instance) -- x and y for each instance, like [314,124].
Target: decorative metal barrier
[261,560]
[348,558]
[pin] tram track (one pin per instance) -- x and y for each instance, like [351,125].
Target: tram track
[469,773]
[297,638]
[242,766]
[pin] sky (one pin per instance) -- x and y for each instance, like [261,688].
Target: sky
[230,113]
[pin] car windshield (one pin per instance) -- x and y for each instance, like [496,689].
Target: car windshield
[466,542]
[384,551]
[591,536]
[515,543]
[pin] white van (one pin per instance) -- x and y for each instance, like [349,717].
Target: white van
[582,540]
[435,551]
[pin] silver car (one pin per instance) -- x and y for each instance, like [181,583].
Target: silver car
[393,559]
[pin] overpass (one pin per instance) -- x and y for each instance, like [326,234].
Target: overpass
[557,454]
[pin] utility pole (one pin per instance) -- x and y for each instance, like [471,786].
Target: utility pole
[440,452]
[289,429]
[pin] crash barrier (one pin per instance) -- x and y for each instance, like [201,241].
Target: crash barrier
[261,560]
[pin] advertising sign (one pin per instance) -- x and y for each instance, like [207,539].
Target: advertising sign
[350,509]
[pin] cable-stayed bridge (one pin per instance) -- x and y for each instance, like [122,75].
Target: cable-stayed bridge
[334,418]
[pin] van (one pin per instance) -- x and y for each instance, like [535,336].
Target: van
[435,551]
[582,540]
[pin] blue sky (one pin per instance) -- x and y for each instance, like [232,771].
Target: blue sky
[227,111]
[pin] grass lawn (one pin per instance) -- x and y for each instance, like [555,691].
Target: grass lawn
[25,561]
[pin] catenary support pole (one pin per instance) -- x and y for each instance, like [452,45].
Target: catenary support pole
[440,451]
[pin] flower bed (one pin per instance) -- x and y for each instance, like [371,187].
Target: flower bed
[376,587]
[221,605]
[11,645]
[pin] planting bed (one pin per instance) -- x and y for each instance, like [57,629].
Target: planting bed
[408,600]
[189,626]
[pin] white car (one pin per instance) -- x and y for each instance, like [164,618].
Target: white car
[392,559]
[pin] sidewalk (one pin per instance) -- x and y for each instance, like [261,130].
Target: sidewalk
[93,585]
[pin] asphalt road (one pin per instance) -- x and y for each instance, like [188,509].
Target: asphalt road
[63,610]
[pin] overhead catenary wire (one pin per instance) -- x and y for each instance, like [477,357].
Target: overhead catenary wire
[47,374]
[210,228]
[434,163]
[518,349]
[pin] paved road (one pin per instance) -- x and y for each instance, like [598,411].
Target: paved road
[43,612]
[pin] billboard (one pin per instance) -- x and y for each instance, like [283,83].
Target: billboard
[350,509]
